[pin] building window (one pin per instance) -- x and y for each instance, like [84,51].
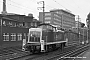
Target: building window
[19,36]
[47,21]
[47,14]
[56,15]
[56,19]
[47,18]
[5,36]
[13,36]
[56,23]
[21,24]
[31,24]
[4,23]
[27,34]
[15,25]
[35,24]
[10,23]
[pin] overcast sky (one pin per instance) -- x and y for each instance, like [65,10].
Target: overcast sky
[77,7]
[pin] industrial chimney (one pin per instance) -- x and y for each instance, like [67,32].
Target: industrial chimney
[4,7]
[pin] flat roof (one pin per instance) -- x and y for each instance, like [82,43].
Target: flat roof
[54,10]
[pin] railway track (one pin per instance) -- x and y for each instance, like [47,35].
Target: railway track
[11,53]
[73,55]
[45,55]
[69,55]
[54,55]
[57,54]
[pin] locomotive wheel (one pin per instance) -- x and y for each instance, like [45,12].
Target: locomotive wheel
[54,47]
[62,46]
[48,48]
[33,50]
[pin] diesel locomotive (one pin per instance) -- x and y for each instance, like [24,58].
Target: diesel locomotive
[47,37]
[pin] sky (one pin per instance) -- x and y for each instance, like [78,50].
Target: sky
[77,7]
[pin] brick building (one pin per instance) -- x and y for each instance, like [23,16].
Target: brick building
[14,28]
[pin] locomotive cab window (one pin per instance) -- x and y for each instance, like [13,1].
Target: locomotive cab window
[35,36]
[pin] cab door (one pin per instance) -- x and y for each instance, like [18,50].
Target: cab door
[24,41]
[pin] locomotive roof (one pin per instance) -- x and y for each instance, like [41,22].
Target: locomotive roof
[46,24]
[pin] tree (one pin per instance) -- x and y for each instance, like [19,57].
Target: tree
[88,17]
[82,25]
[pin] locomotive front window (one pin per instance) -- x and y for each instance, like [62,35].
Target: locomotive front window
[34,33]
[35,36]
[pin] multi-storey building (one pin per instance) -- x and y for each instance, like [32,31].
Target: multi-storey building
[58,17]
[51,17]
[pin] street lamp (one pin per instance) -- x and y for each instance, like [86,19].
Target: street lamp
[79,36]
[78,23]
[87,31]
[83,37]
[1,23]
[42,2]
[87,36]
